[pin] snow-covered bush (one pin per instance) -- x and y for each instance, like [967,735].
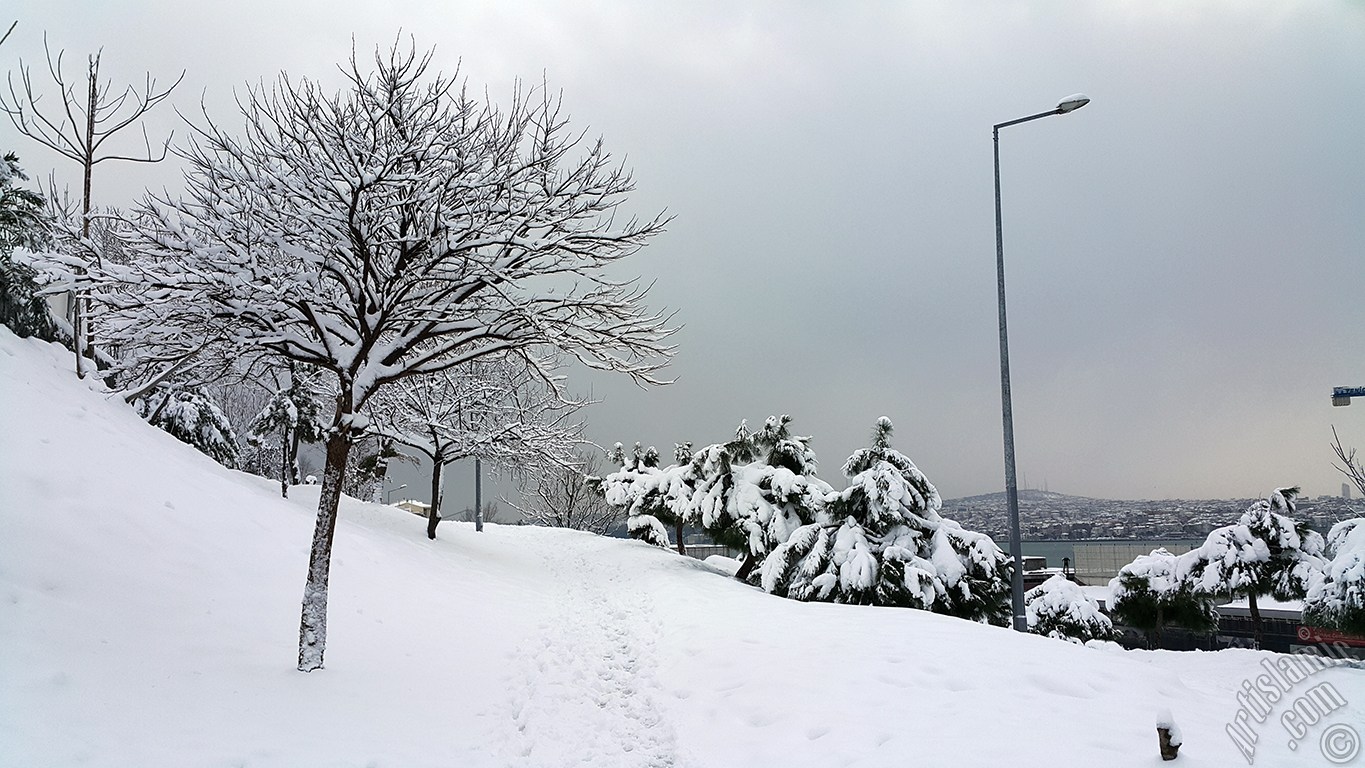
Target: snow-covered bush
[1061,609]
[646,494]
[193,418]
[1336,596]
[881,541]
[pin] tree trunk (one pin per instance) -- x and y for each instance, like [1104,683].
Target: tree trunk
[1255,619]
[750,560]
[313,622]
[1156,631]
[294,441]
[678,528]
[284,462]
[80,325]
[437,476]
[478,494]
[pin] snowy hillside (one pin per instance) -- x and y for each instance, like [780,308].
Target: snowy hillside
[149,612]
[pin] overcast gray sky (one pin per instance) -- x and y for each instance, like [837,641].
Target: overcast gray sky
[1185,256]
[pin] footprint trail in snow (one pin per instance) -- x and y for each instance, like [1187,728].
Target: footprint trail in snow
[583,691]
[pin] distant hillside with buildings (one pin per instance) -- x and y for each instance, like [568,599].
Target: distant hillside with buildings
[1049,515]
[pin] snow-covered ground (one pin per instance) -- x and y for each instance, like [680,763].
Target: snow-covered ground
[149,611]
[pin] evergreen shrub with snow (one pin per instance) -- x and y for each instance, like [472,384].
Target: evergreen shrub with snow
[22,225]
[193,418]
[1059,608]
[881,541]
[1156,590]
[1336,594]
[294,416]
[749,493]
[1264,553]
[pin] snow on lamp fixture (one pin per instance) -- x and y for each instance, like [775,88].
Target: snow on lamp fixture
[1072,103]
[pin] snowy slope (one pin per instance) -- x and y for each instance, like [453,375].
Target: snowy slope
[149,612]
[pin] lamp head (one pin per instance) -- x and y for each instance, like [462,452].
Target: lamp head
[1072,103]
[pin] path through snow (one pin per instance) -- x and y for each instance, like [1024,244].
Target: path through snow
[584,691]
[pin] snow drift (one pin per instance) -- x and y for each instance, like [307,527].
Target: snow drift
[149,608]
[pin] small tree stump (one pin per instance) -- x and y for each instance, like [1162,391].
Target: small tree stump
[1170,747]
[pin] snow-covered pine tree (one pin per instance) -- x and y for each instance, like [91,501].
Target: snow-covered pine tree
[1336,594]
[1157,589]
[398,228]
[752,492]
[22,225]
[649,496]
[1059,608]
[192,418]
[1264,553]
[881,541]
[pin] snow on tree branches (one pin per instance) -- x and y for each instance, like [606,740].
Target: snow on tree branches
[294,415]
[395,229]
[22,225]
[749,493]
[1264,552]
[569,497]
[497,409]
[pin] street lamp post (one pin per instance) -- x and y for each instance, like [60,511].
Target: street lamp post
[388,495]
[1069,104]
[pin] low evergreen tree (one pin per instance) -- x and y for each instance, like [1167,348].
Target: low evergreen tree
[882,541]
[753,492]
[22,225]
[1157,590]
[294,416]
[193,418]
[748,494]
[1264,553]
[1336,595]
[636,490]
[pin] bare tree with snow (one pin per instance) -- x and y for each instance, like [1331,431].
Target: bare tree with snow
[1350,466]
[566,497]
[497,409]
[401,228]
[77,127]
